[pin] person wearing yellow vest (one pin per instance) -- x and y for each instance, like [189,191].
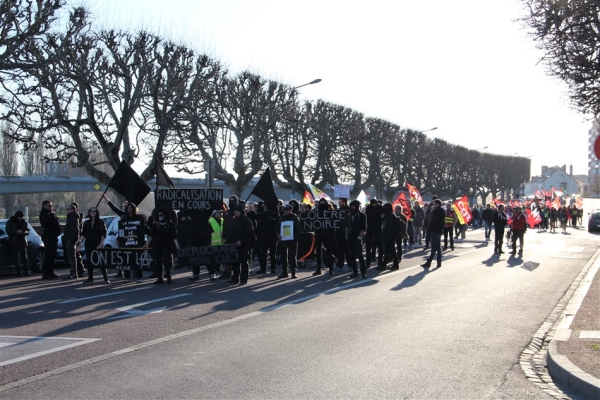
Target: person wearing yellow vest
[215,224]
[449,222]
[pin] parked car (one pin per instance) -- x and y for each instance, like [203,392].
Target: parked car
[594,221]
[60,253]
[35,250]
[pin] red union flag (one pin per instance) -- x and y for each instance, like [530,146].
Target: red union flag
[414,193]
[401,199]
[461,206]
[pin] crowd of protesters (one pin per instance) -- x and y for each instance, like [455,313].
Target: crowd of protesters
[373,233]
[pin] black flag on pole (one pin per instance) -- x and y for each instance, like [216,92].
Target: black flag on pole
[128,184]
[265,190]
[162,179]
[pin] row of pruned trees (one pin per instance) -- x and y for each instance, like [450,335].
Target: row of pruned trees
[77,91]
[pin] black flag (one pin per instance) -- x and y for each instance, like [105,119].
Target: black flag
[162,179]
[265,190]
[128,184]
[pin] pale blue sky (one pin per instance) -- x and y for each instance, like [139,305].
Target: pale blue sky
[463,66]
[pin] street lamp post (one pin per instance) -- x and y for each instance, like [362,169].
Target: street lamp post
[427,130]
[295,137]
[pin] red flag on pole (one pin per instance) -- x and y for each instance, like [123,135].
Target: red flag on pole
[402,200]
[414,193]
[463,211]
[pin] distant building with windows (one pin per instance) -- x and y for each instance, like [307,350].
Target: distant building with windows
[556,177]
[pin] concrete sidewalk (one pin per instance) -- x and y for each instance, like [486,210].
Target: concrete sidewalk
[573,356]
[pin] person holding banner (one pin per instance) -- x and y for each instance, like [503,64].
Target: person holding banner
[325,237]
[163,237]
[132,230]
[240,231]
[288,233]
[215,223]
[94,233]
[374,213]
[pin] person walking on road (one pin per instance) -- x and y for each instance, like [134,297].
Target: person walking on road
[500,221]
[240,232]
[519,227]
[488,219]
[93,233]
[17,231]
[390,232]
[437,228]
[450,220]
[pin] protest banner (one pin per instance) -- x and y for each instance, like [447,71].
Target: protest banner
[123,259]
[204,255]
[315,220]
[190,199]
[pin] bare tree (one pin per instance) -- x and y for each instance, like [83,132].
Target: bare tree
[569,34]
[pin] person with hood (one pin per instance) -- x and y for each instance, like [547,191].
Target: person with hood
[437,228]
[227,218]
[132,231]
[374,213]
[266,235]
[288,232]
[390,232]
[51,227]
[500,221]
[324,238]
[241,233]
[93,233]
[356,229]
[71,239]
[163,238]
[17,231]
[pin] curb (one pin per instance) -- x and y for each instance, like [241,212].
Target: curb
[560,368]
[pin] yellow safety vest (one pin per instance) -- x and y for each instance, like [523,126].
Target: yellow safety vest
[217,227]
[449,219]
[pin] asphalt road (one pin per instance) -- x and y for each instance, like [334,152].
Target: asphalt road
[454,332]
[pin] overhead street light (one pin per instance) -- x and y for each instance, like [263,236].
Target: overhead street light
[295,137]
[427,130]
[483,148]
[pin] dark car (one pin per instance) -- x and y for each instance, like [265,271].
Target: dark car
[35,250]
[594,221]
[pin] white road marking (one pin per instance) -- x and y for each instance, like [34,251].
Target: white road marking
[74,343]
[102,295]
[132,312]
[575,249]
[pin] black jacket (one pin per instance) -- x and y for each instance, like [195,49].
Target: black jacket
[72,231]
[488,215]
[438,217]
[49,221]
[240,230]
[499,219]
[93,233]
[355,223]
[12,226]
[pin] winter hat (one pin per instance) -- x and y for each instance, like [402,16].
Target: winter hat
[239,208]
[355,203]
[19,214]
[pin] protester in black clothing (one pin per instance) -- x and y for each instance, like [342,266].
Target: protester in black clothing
[71,239]
[488,219]
[163,239]
[132,230]
[184,231]
[240,232]
[227,218]
[437,229]
[78,257]
[93,233]
[399,211]
[17,231]
[51,227]
[266,237]
[374,213]
[390,232]
[356,228]
[500,221]
[340,235]
[324,238]
[288,232]
[119,211]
